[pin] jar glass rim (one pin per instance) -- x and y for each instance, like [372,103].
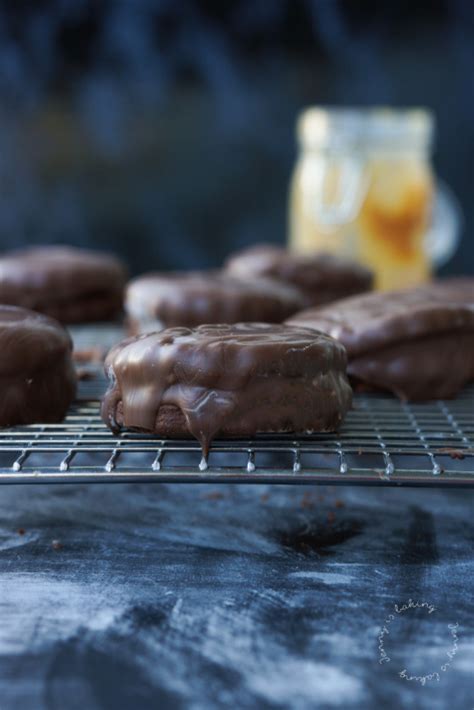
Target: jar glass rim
[331,127]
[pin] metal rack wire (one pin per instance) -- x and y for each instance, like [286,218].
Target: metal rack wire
[383,441]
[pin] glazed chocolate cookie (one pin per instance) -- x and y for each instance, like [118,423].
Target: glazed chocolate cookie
[69,284]
[417,343]
[156,301]
[38,380]
[232,380]
[322,277]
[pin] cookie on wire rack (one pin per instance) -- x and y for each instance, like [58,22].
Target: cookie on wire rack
[227,380]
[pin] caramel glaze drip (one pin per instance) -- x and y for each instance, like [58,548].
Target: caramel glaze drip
[235,380]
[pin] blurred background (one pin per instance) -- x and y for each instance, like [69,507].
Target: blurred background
[165,129]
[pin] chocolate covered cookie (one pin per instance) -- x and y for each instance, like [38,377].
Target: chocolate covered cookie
[155,301]
[69,284]
[321,277]
[417,343]
[37,376]
[232,380]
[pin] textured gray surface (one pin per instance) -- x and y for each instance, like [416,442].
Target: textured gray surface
[237,596]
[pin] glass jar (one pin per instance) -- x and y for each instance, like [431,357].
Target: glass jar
[364,187]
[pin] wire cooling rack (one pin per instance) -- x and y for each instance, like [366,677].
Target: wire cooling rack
[383,441]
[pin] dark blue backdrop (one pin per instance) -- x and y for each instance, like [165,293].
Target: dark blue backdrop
[165,129]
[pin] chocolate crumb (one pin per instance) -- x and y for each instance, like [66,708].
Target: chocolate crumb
[83,374]
[307,500]
[56,544]
[21,531]
[331,517]
[339,504]
[454,453]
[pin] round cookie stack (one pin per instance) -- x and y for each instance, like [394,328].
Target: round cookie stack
[69,284]
[320,277]
[161,300]
[417,343]
[233,380]
[37,374]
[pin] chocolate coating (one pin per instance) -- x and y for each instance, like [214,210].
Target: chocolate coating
[321,277]
[38,380]
[69,284]
[233,380]
[155,301]
[417,343]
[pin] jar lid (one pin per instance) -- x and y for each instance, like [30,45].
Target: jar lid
[365,128]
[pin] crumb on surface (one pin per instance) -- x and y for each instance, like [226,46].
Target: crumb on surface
[454,453]
[84,374]
[21,531]
[307,501]
[56,544]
